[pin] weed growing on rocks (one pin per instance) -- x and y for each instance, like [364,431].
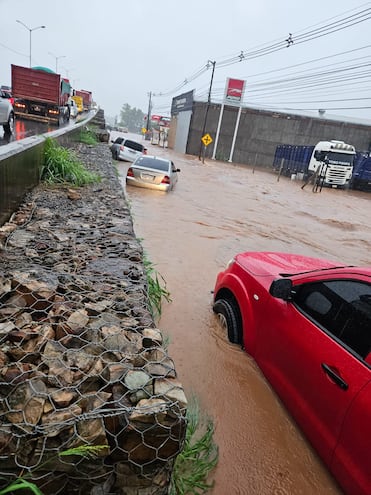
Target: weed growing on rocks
[198,458]
[61,166]
[86,451]
[156,286]
[87,136]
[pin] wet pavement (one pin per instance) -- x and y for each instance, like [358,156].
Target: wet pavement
[216,210]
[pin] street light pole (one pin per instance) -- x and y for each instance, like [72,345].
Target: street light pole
[56,60]
[30,31]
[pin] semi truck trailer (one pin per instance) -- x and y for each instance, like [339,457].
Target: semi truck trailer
[86,98]
[40,94]
[361,178]
[331,161]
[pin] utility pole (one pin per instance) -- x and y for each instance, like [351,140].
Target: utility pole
[149,110]
[208,105]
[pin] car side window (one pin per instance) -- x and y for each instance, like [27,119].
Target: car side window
[342,307]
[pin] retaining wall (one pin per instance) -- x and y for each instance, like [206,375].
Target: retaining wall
[260,132]
[82,363]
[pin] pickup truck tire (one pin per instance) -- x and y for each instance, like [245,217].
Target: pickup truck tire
[9,126]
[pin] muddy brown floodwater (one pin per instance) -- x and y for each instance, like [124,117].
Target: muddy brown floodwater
[217,210]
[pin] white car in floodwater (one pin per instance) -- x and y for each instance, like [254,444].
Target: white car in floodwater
[6,114]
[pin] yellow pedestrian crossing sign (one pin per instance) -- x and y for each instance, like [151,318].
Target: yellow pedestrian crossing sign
[207,139]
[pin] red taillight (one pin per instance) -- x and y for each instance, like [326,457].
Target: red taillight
[130,172]
[12,101]
[122,148]
[145,151]
[165,180]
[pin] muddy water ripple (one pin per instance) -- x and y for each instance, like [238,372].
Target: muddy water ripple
[217,210]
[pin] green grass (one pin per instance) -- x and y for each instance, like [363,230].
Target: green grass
[21,484]
[87,136]
[156,288]
[86,451]
[193,466]
[61,166]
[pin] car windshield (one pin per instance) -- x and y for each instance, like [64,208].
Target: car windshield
[155,163]
[133,145]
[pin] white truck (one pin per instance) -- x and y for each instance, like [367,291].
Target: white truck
[332,161]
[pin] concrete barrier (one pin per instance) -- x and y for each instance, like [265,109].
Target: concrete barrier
[21,163]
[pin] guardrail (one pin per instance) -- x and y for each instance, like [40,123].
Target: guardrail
[21,162]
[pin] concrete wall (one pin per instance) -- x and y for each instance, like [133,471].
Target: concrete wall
[21,163]
[260,132]
[19,172]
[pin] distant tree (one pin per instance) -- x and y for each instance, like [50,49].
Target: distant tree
[132,118]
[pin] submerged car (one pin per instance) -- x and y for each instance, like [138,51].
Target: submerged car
[307,324]
[126,149]
[153,172]
[6,113]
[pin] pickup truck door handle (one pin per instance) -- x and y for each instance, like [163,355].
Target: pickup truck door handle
[334,377]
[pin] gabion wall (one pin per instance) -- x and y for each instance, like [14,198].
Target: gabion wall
[82,363]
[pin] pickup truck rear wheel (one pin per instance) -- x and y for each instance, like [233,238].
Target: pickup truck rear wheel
[230,319]
[9,126]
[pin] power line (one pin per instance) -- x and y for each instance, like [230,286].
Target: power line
[263,50]
[11,50]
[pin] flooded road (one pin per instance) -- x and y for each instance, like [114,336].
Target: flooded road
[215,211]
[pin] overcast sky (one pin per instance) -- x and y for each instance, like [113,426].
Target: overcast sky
[122,50]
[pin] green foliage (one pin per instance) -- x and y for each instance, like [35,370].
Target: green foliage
[87,136]
[61,166]
[21,484]
[198,458]
[132,118]
[86,451]
[156,287]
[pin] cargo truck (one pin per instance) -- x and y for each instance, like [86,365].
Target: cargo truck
[86,98]
[79,103]
[40,94]
[331,161]
[361,178]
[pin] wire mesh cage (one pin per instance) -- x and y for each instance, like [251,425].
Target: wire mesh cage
[89,397]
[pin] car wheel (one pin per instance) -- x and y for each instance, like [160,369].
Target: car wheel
[9,127]
[230,319]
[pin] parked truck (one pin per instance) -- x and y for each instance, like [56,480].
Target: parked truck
[86,98]
[331,161]
[40,94]
[361,178]
[79,103]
